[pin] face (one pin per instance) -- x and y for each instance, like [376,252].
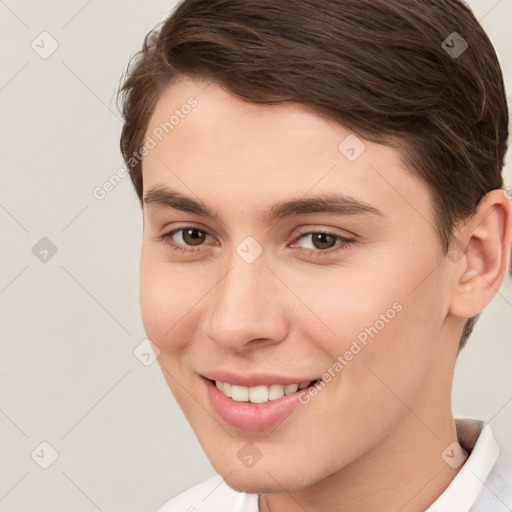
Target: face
[257,294]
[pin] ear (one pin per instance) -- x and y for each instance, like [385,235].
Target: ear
[481,254]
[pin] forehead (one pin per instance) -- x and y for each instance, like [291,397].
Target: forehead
[209,143]
[218,118]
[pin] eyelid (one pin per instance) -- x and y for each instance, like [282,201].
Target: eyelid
[345,241]
[307,229]
[328,230]
[176,246]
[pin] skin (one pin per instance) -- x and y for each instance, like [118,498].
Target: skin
[372,438]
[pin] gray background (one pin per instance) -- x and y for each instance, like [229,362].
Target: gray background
[69,326]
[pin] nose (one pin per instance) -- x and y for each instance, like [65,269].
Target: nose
[248,307]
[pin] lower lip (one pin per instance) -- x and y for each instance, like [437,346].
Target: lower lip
[249,416]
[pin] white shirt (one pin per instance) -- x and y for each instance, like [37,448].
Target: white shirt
[484,483]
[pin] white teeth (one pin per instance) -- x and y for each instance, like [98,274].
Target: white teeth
[226,389]
[291,388]
[258,394]
[239,393]
[275,391]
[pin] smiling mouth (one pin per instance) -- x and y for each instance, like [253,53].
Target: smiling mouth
[259,394]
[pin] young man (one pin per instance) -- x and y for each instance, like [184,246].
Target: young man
[324,220]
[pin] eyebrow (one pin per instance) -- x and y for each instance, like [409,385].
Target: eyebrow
[327,203]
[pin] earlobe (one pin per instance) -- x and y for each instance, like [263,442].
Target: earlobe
[481,271]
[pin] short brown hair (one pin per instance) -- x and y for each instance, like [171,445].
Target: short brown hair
[383,68]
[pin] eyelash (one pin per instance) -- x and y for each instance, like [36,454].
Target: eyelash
[345,242]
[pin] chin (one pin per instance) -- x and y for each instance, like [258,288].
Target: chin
[259,482]
[264,480]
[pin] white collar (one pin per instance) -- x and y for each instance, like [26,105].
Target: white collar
[479,443]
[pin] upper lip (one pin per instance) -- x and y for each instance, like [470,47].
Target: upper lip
[253,379]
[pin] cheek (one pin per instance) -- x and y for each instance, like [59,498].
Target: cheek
[376,318]
[166,297]
[341,305]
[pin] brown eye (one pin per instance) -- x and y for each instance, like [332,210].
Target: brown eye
[185,240]
[323,240]
[193,236]
[322,243]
